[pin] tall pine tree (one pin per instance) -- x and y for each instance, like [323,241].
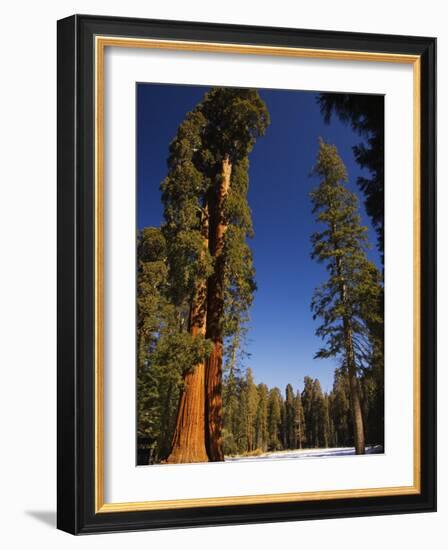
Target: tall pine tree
[348,301]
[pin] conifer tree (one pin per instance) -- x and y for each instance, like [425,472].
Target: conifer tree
[207,222]
[290,416]
[348,300]
[261,421]
[275,403]
[340,410]
[325,428]
[317,415]
[230,412]
[251,411]
[365,114]
[372,379]
[299,421]
[186,233]
[235,118]
[241,434]
[307,402]
[331,426]
[152,308]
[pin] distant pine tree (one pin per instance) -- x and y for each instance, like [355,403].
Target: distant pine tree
[290,414]
[251,411]
[307,402]
[299,421]
[261,420]
[275,404]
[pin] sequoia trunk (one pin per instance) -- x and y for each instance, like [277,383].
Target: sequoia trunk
[188,443]
[215,311]
[189,436]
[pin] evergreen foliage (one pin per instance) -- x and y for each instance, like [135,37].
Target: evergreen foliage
[365,114]
[353,291]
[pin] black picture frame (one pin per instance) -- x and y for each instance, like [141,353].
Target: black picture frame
[76,255]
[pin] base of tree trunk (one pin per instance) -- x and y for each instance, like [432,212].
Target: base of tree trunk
[187,456]
[189,437]
[360,450]
[358,424]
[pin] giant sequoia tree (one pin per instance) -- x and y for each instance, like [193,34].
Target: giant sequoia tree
[207,222]
[348,302]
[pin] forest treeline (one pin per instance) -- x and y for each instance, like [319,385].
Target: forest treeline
[258,419]
[196,282]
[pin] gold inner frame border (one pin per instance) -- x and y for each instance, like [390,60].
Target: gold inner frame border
[100,44]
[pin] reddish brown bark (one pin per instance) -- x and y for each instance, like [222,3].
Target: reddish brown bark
[213,404]
[189,437]
[188,443]
[215,310]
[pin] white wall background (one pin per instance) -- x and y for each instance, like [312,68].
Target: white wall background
[28,271]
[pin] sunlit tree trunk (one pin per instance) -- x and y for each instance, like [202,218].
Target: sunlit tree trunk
[215,311]
[188,443]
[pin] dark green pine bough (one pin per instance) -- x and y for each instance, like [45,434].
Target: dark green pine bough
[365,115]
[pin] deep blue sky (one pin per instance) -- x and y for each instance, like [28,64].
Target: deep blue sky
[281,339]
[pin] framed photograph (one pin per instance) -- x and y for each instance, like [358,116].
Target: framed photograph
[246,274]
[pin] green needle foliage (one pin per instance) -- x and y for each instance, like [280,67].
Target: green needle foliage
[225,124]
[365,114]
[352,292]
[183,197]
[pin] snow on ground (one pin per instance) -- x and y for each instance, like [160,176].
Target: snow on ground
[304,453]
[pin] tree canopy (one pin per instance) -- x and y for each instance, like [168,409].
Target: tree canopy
[365,114]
